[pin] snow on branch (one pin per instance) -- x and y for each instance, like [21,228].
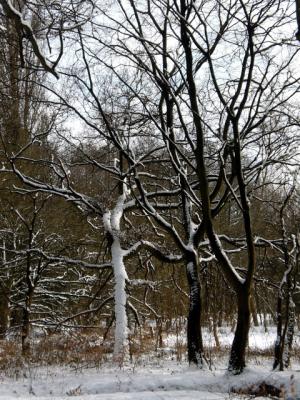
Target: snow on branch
[85,312]
[85,203]
[25,29]
[258,241]
[50,258]
[143,282]
[154,250]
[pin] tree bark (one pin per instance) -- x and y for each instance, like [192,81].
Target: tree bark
[285,332]
[194,335]
[4,315]
[26,322]
[237,361]
[278,363]
[25,333]
[290,327]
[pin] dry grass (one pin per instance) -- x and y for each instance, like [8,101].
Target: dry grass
[77,349]
[11,361]
[74,350]
[81,349]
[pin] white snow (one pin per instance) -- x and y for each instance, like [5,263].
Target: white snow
[258,339]
[120,277]
[111,222]
[152,378]
[162,381]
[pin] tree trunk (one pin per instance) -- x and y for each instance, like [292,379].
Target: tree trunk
[4,315]
[254,310]
[120,277]
[26,323]
[194,335]
[215,333]
[237,361]
[25,333]
[4,301]
[290,327]
[112,221]
[278,363]
[285,332]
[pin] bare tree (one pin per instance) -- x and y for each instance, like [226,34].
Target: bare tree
[211,124]
[285,310]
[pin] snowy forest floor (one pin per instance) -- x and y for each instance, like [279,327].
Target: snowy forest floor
[156,375]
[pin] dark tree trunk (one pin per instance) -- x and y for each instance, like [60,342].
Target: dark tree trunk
[298,18]
[26,324]
[4,315]
[237,361]
[194,335]
[25,333]
[285,332]
[278,361]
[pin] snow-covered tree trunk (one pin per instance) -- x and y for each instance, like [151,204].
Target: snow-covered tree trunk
[112,221]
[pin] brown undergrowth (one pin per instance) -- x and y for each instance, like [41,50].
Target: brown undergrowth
[83,349]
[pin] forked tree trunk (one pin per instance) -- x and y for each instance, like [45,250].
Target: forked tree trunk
[194,335]
[237,361]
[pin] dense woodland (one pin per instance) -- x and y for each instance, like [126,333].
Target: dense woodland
[150,170]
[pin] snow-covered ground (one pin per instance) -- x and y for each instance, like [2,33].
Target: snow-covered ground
[160,382]
[152,378]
